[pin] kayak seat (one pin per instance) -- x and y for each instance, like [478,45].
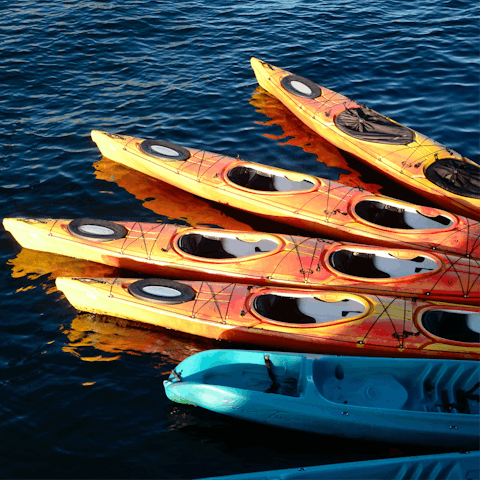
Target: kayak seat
[453,325]
[364,389]
[329,311]
[283,184]
[280,309]
[381,214]
[418,221]
[251,178]
[260,181]
[222,248]
[201,246]
[370,265]
[390,216]
[396,267]
[239,248]
[356,264]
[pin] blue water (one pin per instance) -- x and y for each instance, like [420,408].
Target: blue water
[82,396]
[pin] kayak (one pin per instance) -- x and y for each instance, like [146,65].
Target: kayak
[419,163]
[445,466]
[404,400]
[313,204]
[286,318]
[197,253]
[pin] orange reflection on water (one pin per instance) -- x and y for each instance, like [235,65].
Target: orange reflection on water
[33,264]
[165,199]
[305,138]
[108,335]
[113,336]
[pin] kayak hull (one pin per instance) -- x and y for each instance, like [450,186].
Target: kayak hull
[288,319]
[322,206]
[382,399]
[407,164]
[287,260]
[447,466]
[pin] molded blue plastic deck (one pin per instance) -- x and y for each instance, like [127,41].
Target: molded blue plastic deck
[449,466]
[420,401]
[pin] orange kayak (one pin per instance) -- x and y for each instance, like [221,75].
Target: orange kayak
[314,204]
[282,318]
[255,257]
[419,163]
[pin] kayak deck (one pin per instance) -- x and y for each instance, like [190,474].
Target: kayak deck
[447,466]
[416,400]
[287,318]
[322,206]
[436,172]
[261,258]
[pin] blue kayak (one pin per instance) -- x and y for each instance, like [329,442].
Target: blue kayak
[448,466]
[399,400]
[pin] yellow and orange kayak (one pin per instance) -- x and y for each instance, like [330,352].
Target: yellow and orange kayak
[322,206]
[436,172]
[282,318]
[255,257]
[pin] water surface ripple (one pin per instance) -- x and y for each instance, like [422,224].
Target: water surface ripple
[82,396]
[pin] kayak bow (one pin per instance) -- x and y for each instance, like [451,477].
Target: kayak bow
[404,400]
[287,318]
[262,258]
[310,203]
[436,172]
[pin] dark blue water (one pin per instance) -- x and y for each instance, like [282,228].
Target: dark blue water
[82,396]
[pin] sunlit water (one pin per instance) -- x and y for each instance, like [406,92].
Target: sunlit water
[82,396]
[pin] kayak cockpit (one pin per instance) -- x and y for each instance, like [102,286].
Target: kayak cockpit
[453,325]
[392,215]
[256,178]
[370,126]
[223,246]
[379,264]
[450,387]
[305,309]
[364,389]
[254,371]
[456,176]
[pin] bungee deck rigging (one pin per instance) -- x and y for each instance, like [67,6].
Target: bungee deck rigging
[287,318]
[430,169]
[318,205]
[260,258]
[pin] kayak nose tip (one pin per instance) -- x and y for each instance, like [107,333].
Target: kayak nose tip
[259,66]
[7,224]
[64,282]
[59,283]
[255,62]
[96,135]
